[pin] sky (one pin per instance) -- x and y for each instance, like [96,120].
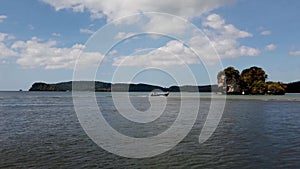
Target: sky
[171,42]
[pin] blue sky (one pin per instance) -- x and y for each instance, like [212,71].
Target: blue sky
[41,40]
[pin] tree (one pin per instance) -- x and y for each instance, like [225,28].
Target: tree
[258,88]
[253,80]
[276,88]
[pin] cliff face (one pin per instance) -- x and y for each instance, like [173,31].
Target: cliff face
[228,86]
[222,83]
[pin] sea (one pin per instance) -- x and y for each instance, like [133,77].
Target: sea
[42,130]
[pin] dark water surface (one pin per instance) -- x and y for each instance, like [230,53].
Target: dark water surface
[41,130]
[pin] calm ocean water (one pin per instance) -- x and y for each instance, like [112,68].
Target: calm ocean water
[41,130]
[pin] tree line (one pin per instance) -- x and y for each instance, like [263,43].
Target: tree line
[251,81]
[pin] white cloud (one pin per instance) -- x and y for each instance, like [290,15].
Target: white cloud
[3,36]
[114,9]
[2,18]
[4,48]
[6,51]
[87,31]
[56,34]
[225,38]
[214,21]
[172,54]
[34,53]
[270,47]
[266,33]
[97,15]
[123,35]
[79,8]
[165,25]
[112,53]
[217,23]
[295,53]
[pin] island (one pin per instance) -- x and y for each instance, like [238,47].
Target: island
[251,81]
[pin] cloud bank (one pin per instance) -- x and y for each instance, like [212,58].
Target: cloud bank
[115,9]
[36,53]
[223,37]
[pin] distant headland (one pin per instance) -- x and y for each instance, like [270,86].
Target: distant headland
[118,87]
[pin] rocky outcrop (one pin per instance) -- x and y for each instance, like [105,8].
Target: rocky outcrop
[228,81]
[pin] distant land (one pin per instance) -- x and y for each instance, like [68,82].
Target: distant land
[293,87]
[118,87]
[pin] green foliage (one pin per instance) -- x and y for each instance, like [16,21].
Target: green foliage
[232,75]
[258,87]
[253,80]
[45,87]
[276,88]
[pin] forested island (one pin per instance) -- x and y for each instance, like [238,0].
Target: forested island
[251,81]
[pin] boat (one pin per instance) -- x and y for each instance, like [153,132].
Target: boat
[160,94]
